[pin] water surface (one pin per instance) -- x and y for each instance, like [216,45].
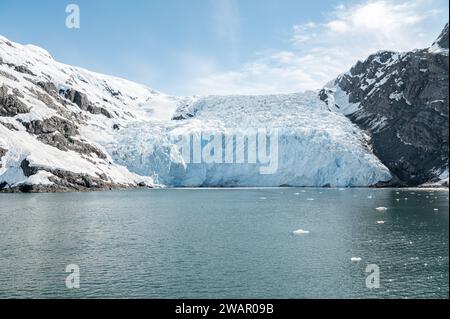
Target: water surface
[225,243]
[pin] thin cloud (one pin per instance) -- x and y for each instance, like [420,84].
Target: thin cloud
[227,21]
[320,50]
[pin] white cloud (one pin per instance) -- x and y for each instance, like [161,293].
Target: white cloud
[323,49]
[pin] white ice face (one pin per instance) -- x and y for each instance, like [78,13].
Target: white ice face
[315,147]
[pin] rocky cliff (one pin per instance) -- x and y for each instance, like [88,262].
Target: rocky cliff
[402,101]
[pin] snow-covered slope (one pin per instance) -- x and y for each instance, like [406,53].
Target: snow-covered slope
[401,100]
[55,117]
[65,128]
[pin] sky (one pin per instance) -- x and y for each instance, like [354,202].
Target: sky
[201,47]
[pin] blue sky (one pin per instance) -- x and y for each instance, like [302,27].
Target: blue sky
[223,46]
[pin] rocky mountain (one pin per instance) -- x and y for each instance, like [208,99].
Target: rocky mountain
[55,119]
[63,128]
[402,101]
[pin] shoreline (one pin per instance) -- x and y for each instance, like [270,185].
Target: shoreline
[46,190]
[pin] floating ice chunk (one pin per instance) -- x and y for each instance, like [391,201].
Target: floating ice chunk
[310,199]
[297,194]
[356,259]
[369,197]
[381,209]
[263,198]
[398,199]
[436,209]
[300,232]
[381,222]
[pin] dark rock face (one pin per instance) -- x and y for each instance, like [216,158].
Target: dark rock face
[443,39]
[66,143]
[404,105]
[23,69]
[83,103]
[10,105]
[60,133]
[27,169]
[52,125]
[63,181]
[9,126]
[2,153]
[8,76]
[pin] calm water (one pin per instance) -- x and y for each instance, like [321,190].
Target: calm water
[225,243]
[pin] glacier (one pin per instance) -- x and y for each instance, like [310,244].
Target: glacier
[316,147]
[135,133]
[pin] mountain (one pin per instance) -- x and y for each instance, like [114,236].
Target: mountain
[64,128]
[401,100]
[54,119]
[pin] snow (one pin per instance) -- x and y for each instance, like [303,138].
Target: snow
[341,99]
[315,147]
[21,145]
[396,96]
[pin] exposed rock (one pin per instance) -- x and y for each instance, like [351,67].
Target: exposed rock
[402,101]
[83,103]
[23,69]
[60,133]
[443,39]
[10,105]
[2,153]
[182,117]
[27,169]
[9,126]
[50,89]
[52,125]
[8,76]
[66,143]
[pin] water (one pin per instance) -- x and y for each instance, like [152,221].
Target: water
[225,243]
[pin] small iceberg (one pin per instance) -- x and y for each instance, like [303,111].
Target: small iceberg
[436,209]
[381,209]
[263,198]
[310,199]
[369,197]
[356,259]
[381,222]
[300,232]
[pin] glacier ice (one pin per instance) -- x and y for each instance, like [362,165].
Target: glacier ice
[316,147]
